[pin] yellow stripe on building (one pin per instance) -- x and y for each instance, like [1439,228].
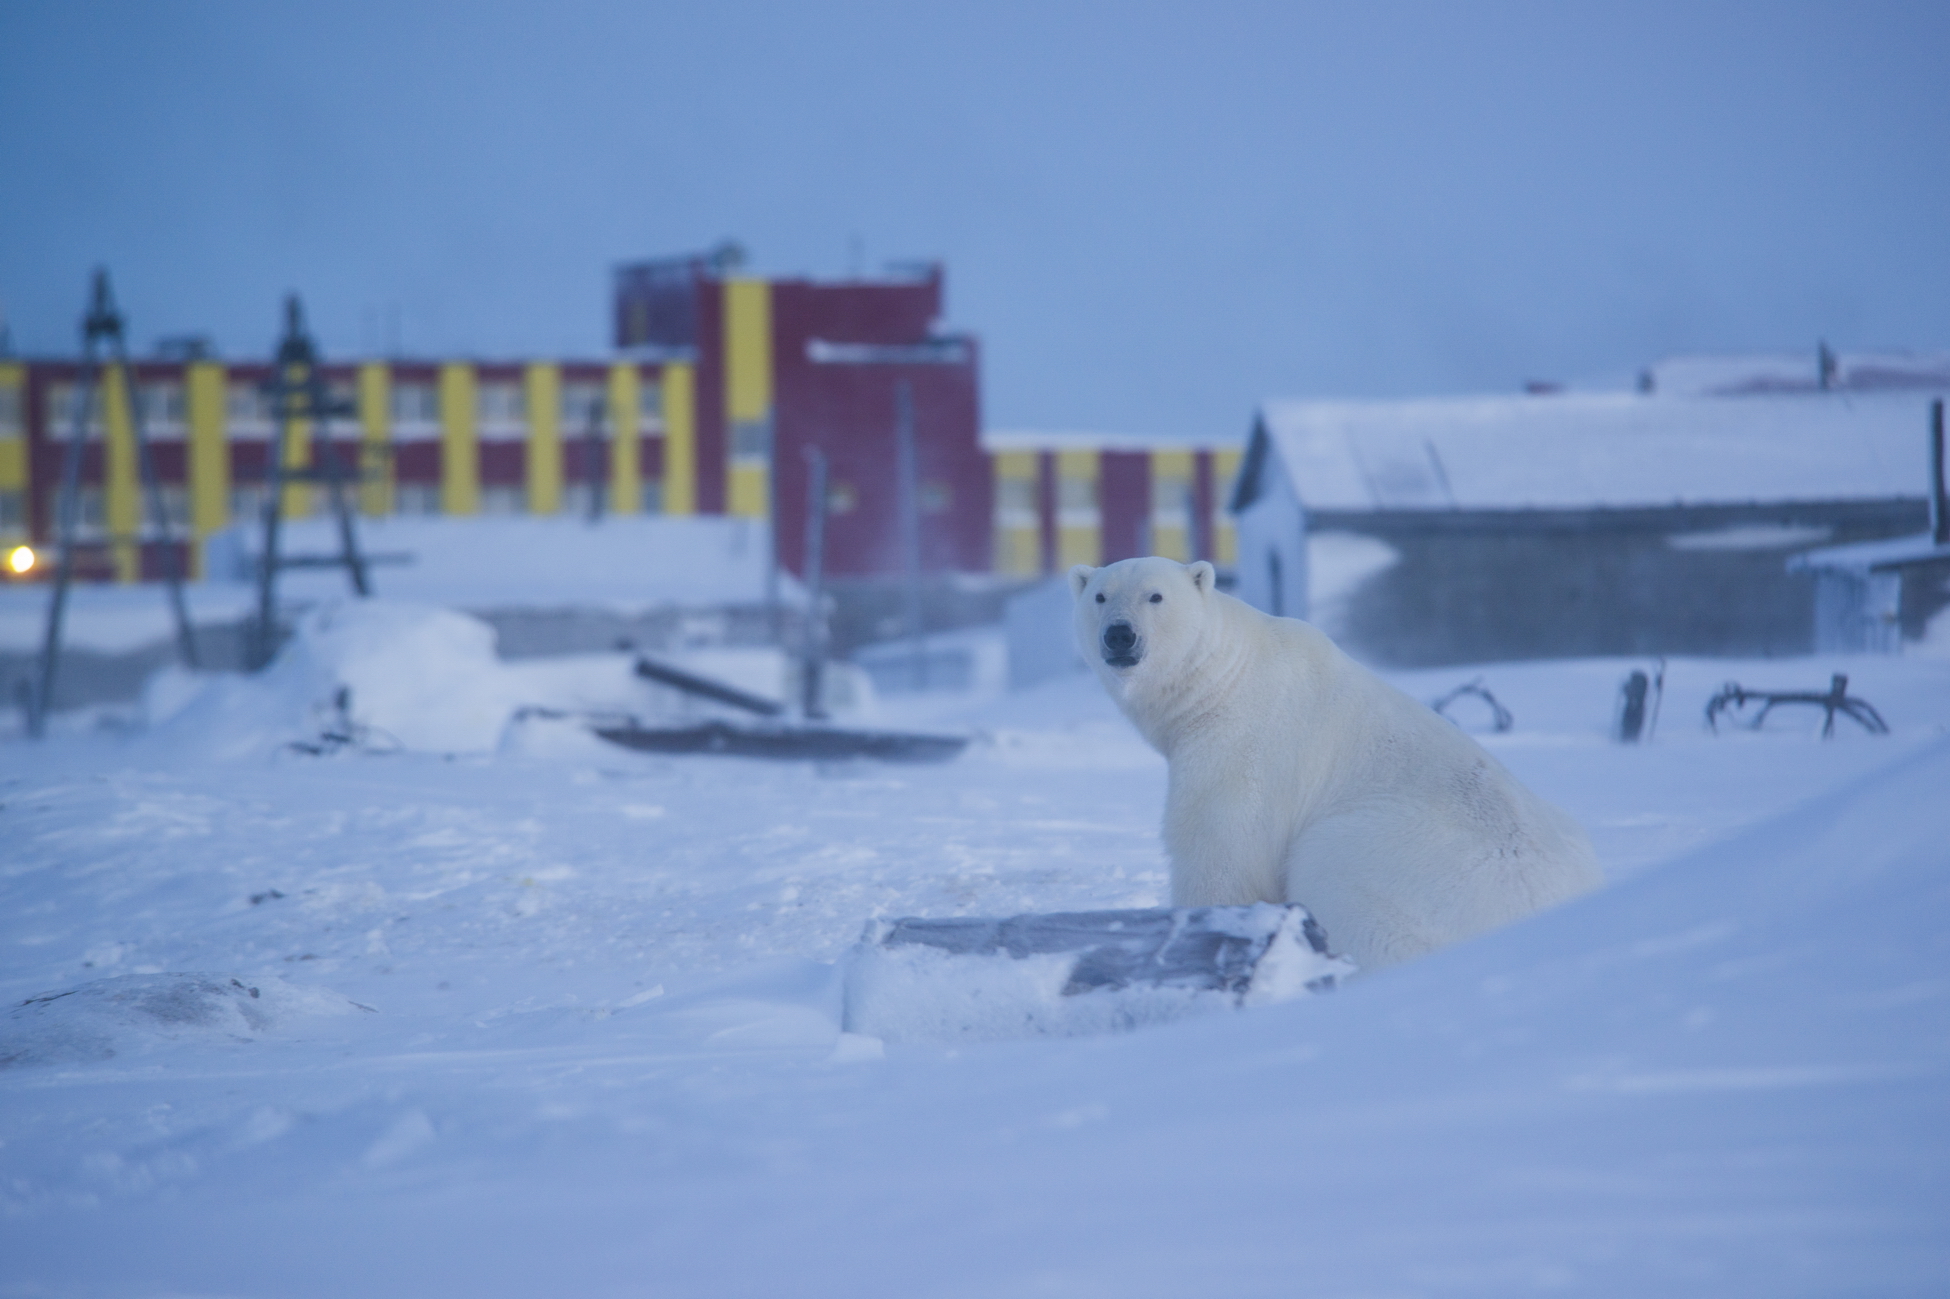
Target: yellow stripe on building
[1079,517]
[1225,538]
[680,439]
[748,396]
[625,475]
[1173,480]
[1018,515]
[13,447]
[121,498]
[460,442]
[376,472]
[209,456]
[543,383]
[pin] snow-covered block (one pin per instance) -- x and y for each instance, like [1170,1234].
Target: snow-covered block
[421,677]
[1082,972]
[136,1014]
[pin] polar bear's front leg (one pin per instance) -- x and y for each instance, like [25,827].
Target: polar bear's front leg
[1224,851]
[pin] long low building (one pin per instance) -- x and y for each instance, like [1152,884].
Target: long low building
[1560,524]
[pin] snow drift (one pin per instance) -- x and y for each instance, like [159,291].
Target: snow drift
[138,1014]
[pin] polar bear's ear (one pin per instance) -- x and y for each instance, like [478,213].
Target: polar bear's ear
[1080,578]
[1203,576]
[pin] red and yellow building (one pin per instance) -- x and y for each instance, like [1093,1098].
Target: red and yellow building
[722,387]
[1089,498]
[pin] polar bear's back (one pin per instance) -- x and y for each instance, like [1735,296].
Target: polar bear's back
[1414,836]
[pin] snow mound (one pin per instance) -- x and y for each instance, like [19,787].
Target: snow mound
[136,1014]
[381,676]
[405,675]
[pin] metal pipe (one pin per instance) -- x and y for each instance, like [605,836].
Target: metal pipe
[64,524]
[910,512]
[172,563]
[814,665]
[1939,495]
[592,459]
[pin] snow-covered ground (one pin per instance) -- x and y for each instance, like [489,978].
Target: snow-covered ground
[516,1013]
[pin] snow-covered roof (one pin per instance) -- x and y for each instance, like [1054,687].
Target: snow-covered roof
[995,440]
[1873,556]
[1588,450]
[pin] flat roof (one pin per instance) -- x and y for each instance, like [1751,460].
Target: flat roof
[1596,450]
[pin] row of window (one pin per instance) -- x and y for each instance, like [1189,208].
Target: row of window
[247,504]
[1018,505]
[498,408]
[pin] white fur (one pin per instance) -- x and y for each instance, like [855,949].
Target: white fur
[1298,775]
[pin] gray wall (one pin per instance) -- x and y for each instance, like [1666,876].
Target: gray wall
[1479,586]
[1271,573]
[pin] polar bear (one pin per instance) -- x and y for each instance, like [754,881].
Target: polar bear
[1298,775]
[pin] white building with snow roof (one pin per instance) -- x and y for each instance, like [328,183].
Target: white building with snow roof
[1474,529]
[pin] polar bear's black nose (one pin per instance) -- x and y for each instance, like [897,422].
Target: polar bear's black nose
[1120,638]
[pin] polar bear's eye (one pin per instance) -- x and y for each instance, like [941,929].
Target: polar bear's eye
[1100,597]
[1156,598]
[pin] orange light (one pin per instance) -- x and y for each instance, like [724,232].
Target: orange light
[21,559]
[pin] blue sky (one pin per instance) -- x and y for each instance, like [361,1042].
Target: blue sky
[1154,214]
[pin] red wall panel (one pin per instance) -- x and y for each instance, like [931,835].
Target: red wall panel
[1124,498]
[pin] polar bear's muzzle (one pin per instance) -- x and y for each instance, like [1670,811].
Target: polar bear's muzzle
[1120,645]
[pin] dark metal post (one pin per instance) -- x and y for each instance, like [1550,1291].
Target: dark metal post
[773,612]
[815,630]
[297,391]
[172,563]
[592,459]
[910,513]
[64,525]
[1939,494]
[103,324]
[262,633]
[327,455]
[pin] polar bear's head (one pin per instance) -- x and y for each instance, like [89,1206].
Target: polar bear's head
[1139,614]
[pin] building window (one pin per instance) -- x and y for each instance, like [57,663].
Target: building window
[415,403]
[503,500]
[937,497]
[416,499]
[13,512]
[650,405]
[246,502]
[11,424]
[1079,494]
[842,497]
[163,410]
[176,508]
[62,400]
[582,404]
[653,496]
[751,439]
[88,510]
[502,403]
[246,403]
[343,399]
[1016,504]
